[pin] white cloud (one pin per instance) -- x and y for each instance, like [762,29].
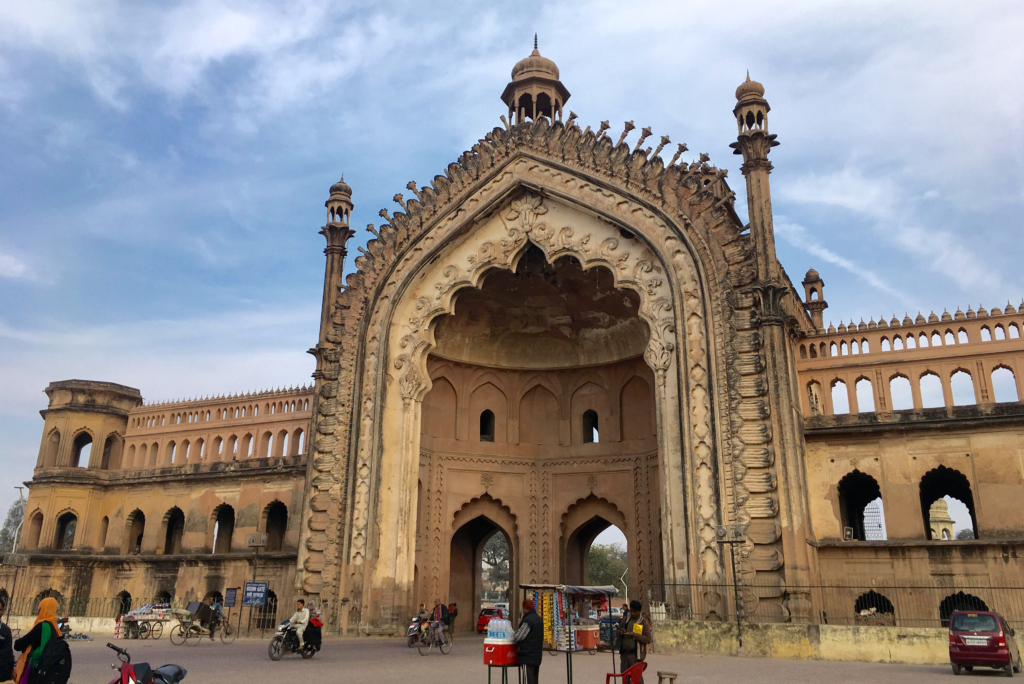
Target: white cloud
[890,213]
[15,268]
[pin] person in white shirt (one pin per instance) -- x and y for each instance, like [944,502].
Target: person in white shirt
[300,620]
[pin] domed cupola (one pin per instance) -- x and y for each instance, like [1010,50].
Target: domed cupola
[535,89]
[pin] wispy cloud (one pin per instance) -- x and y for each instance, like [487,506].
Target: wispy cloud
[889,212]
[800,237]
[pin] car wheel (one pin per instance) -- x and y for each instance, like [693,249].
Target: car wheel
[1008,670]
[1018,668]
[956,669]
[969,668]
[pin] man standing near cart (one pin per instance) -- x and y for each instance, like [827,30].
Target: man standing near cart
[636,634]
[529,638]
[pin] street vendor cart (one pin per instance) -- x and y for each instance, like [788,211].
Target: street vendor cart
[146,621]
[572,616]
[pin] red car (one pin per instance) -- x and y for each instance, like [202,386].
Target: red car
[485,616]
[984,639]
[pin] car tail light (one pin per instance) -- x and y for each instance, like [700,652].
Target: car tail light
[952,639]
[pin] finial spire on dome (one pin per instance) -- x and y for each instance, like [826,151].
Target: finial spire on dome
[534,41]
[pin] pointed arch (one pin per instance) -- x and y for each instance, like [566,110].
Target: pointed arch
[580,524]
[539,413]
[440,409]
[488,397]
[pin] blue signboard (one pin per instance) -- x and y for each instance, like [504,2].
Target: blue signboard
[229,597]
[255,594]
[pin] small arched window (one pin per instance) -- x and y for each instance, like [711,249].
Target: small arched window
[590,426]
[487,426]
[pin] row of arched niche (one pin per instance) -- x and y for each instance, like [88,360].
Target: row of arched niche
[219,536]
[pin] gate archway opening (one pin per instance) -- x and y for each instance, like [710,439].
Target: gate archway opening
[581,563]
[466,575]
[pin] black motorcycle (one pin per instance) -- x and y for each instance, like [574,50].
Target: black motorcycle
[287,641]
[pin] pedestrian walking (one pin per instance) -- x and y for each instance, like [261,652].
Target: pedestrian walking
[636,634]
[529,638]
[43,648]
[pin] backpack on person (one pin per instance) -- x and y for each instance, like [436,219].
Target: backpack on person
[54,664]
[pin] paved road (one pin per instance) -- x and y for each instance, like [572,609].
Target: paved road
[389,661]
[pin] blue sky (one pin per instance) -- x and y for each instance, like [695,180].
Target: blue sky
[164,165]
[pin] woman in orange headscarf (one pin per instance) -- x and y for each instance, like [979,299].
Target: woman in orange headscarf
[32,644]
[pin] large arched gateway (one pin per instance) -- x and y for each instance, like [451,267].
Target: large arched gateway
[559,321]
[563,333]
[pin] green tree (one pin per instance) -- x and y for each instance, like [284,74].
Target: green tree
[14,516]
[607,564]
[966,533]
[495,558]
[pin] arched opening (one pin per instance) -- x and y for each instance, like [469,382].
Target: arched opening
[101,540]
[814,398]
[487,426]
[856,491]
[64,539]
[814,352]
[962,387]
[544,105]
[590,434]
[122,604]
[163,598]
[986,334]
[214,596]
[223,528]
[276,516]
[961,336]
[897,343]
[840,398]
[901,392]
[871,603]
[931,391]
[865,396]
[885,344]
[584,559]
[34,529]
[958,601]
[54,594]
[174,524]
[1004,384]
[947,505]
[135,528]
[52,449]
[108,448]
[472,572]
[81,450]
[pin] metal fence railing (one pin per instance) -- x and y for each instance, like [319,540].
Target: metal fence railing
[260,618]
[920,605]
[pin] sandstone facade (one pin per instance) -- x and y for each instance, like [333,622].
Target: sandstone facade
[563,332]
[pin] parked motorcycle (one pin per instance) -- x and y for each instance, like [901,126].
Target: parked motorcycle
[142,673]
[287,641]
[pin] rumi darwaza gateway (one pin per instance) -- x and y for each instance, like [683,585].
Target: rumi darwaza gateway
[563,332]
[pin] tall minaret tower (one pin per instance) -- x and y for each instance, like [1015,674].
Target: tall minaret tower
[337,231]
[754,142]
[770,291]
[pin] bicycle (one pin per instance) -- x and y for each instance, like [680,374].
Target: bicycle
[428,639]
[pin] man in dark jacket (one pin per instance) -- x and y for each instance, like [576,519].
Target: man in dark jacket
[530,639]
[6,646]
[636,634]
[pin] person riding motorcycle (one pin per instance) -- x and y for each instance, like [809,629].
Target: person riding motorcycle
[300,619]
